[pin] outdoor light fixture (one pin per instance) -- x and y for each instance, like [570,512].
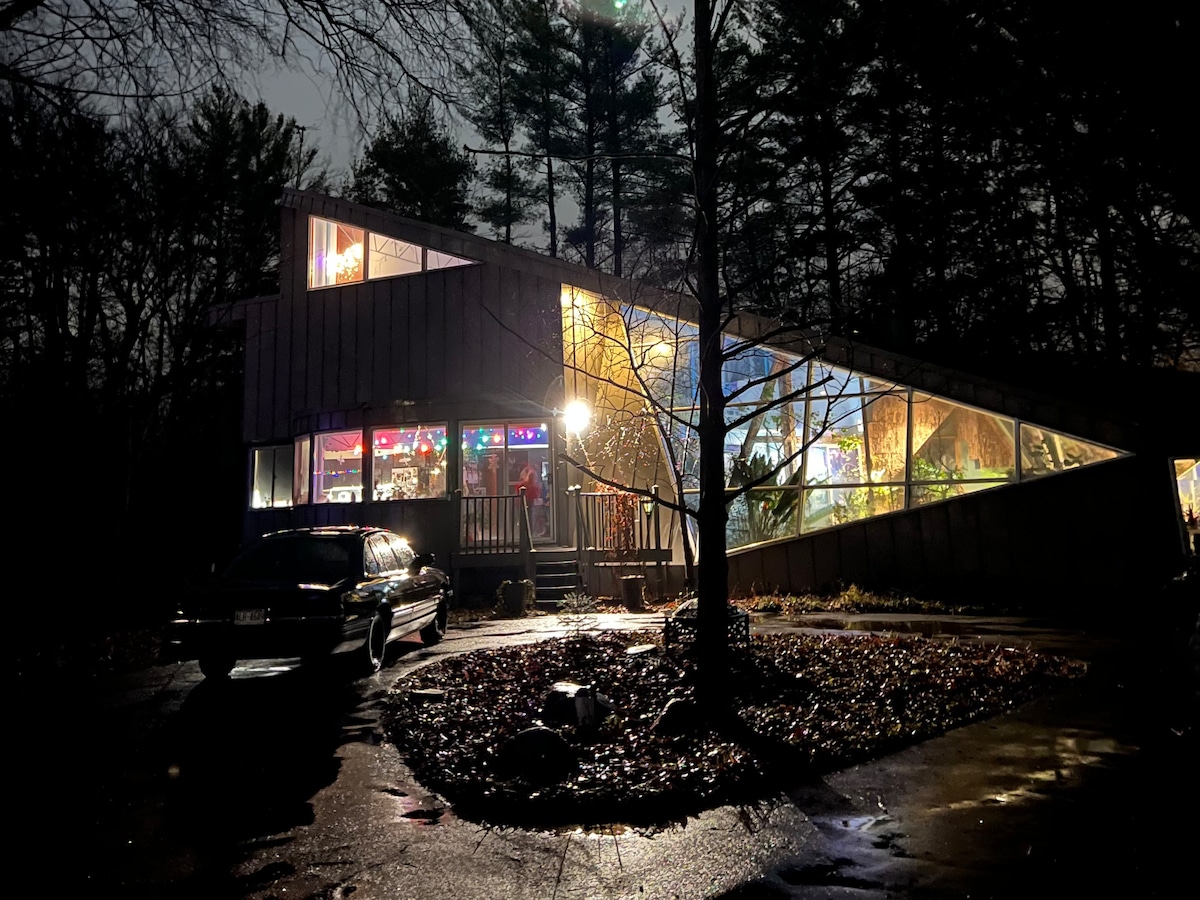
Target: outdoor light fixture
[648,506]
[576,417]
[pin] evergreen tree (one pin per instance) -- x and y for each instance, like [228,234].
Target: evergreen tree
[490,105]
[541,74]
[413,168]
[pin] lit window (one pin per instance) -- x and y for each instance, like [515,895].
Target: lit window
[335,253]
[391,257]
[1187,481]
[300,469]
[337,467]
[272,478]
[1044,452]
[438,260]
[409,462]
[951,442]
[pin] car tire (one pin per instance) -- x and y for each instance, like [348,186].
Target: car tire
[216,667]
[376,645]
[436,630]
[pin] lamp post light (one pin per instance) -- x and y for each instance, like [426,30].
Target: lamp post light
[576,417]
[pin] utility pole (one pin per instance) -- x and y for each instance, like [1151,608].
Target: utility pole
[300,155]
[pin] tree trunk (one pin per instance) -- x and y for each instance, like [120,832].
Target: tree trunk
[712,637]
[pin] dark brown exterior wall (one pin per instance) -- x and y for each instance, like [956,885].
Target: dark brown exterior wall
[1065,539]
[477,342]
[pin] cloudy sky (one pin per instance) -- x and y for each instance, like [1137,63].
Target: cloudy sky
[313,103]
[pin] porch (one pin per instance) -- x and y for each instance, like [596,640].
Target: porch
[611,535]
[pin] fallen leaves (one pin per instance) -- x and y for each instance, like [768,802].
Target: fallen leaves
[803,704]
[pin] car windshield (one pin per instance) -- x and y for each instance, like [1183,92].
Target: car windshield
[302,558]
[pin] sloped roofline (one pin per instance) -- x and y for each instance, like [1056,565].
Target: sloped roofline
[1070,415]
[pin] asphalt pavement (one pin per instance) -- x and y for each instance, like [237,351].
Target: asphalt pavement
[280,785]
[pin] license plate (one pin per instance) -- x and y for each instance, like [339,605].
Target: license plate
[249,616]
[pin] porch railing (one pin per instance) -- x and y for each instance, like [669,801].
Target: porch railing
[618,525]
[495,525]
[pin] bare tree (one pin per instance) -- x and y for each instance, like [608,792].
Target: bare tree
[129,49]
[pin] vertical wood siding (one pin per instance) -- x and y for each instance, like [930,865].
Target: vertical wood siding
[471,342]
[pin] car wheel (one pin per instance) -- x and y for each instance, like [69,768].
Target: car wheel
[436,630]
[216,667]
[376,645]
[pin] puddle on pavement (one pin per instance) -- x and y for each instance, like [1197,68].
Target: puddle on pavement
[925,628]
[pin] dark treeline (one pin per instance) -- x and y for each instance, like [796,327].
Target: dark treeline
[1000,186]
[125,248]
[967,181]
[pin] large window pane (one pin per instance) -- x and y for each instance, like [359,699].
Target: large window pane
[301,469]
[338,467]
[1187,481]
[762,515]
[835,381]
[335,253]
[391,257]
[484,473]
[770,441]
[272,477]
[409,462]
[835,454]
[885,436]
[959,443]
[1044,452]
[665,355]
[827,507]
[931,493]
[436,260]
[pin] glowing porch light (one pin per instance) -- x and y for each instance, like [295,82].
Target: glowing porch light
[576,417]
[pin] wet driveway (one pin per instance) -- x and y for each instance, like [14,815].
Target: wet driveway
[278,785]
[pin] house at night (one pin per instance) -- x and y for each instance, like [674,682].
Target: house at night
[418,378]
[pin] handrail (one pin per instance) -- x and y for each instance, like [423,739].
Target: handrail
[495,524]
[618,523]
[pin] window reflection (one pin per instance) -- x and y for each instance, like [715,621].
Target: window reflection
[1044,451]
[952,442]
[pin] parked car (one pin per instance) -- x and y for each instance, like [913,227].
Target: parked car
[312,593]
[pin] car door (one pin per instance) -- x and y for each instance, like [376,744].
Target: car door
[419,593]
[371,592]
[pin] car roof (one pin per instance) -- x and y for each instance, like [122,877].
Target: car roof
[332,530]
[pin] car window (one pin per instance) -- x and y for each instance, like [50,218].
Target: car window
[370,561]
[404,553]
[383,552]
[318,559]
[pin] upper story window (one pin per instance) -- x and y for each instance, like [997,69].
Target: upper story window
[343,254]
[335,253]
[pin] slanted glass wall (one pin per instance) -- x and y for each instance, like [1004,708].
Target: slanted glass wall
[1187,481]
[808,446]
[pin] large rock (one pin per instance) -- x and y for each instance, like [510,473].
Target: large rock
[679,716]
[538,755]
[580,705]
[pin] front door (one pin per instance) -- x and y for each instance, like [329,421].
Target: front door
[502,457]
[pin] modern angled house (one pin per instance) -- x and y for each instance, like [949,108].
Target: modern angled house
[417,378]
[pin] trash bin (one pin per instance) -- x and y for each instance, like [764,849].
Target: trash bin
[518,596]
[632,589]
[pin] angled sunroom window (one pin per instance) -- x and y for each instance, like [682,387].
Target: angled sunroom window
[1044,452]
[341,254]
[435,259]
[390,257]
